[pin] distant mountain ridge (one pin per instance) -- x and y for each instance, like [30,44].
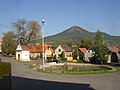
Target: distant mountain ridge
[77,33]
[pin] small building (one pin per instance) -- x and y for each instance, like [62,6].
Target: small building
[87,53]
[22,53]
[66,49]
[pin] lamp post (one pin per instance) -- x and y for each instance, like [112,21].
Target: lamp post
[43,62]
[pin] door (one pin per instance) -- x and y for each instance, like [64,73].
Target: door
[19,57]
[114,57]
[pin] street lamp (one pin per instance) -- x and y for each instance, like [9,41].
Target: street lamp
[43,21]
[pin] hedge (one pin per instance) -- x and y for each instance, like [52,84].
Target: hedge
[5,68]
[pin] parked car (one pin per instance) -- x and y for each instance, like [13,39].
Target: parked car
[54,60]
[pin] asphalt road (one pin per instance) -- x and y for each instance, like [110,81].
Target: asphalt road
[25,79]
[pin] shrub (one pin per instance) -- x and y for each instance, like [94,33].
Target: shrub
[5,68]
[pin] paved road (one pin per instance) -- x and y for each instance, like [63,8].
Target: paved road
[26,79]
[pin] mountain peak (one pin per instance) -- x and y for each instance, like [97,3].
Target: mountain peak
[75,34]
[76,29]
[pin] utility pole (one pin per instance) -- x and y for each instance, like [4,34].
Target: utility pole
[43,61]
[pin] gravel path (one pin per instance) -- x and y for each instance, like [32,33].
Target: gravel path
[26,79]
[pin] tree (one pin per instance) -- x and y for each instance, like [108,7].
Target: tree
[100,50]
[81,56]
[87,43]
[20,31]
[75,54]
[63,54]
[26,31]
[33,30]
[9,43]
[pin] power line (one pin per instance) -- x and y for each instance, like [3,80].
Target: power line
[5,26]
[9,28]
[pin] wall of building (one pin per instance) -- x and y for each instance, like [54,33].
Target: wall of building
[88,54]
[17,55]
[23,55]
[58,51]
[0,48]
[34,55]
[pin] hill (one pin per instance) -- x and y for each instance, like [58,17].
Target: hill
[76,33]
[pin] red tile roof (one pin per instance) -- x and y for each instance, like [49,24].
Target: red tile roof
[83,50]
[66,48]
[114,49]
[25,48]
[34,48]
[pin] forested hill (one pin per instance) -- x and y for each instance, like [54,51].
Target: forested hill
[76,33]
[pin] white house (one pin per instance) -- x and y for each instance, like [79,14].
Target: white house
[87,53]
[22,53]
[66,49]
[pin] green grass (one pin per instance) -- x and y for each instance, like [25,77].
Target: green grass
[89,72]
[114,70]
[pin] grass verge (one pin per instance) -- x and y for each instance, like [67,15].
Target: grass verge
[114,70]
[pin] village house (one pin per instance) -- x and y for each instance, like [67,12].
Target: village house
[36,51]
[66,49]
[22,53]
[87,53]
[113,54]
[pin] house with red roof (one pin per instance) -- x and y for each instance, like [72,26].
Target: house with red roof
[87,53]
[24,53]
[66,49]
[36,50]
[0,44]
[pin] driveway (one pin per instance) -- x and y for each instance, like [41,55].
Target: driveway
[26,79]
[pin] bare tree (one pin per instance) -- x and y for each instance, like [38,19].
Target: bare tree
[20,30]
[26,31]
[33,30]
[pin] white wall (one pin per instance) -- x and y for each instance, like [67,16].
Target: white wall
[24,55]
[57,52]
[0,47]
[88,54]
[18,52]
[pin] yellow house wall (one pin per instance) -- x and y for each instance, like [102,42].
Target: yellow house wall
[69,58]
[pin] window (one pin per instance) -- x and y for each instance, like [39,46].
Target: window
[59,50]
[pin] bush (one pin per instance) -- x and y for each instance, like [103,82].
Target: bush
[5,68]
[80,61]
[5,76]
[96,60]
[63,59]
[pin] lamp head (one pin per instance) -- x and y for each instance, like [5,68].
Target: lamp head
[43,21]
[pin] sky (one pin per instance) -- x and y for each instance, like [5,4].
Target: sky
[60,15]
